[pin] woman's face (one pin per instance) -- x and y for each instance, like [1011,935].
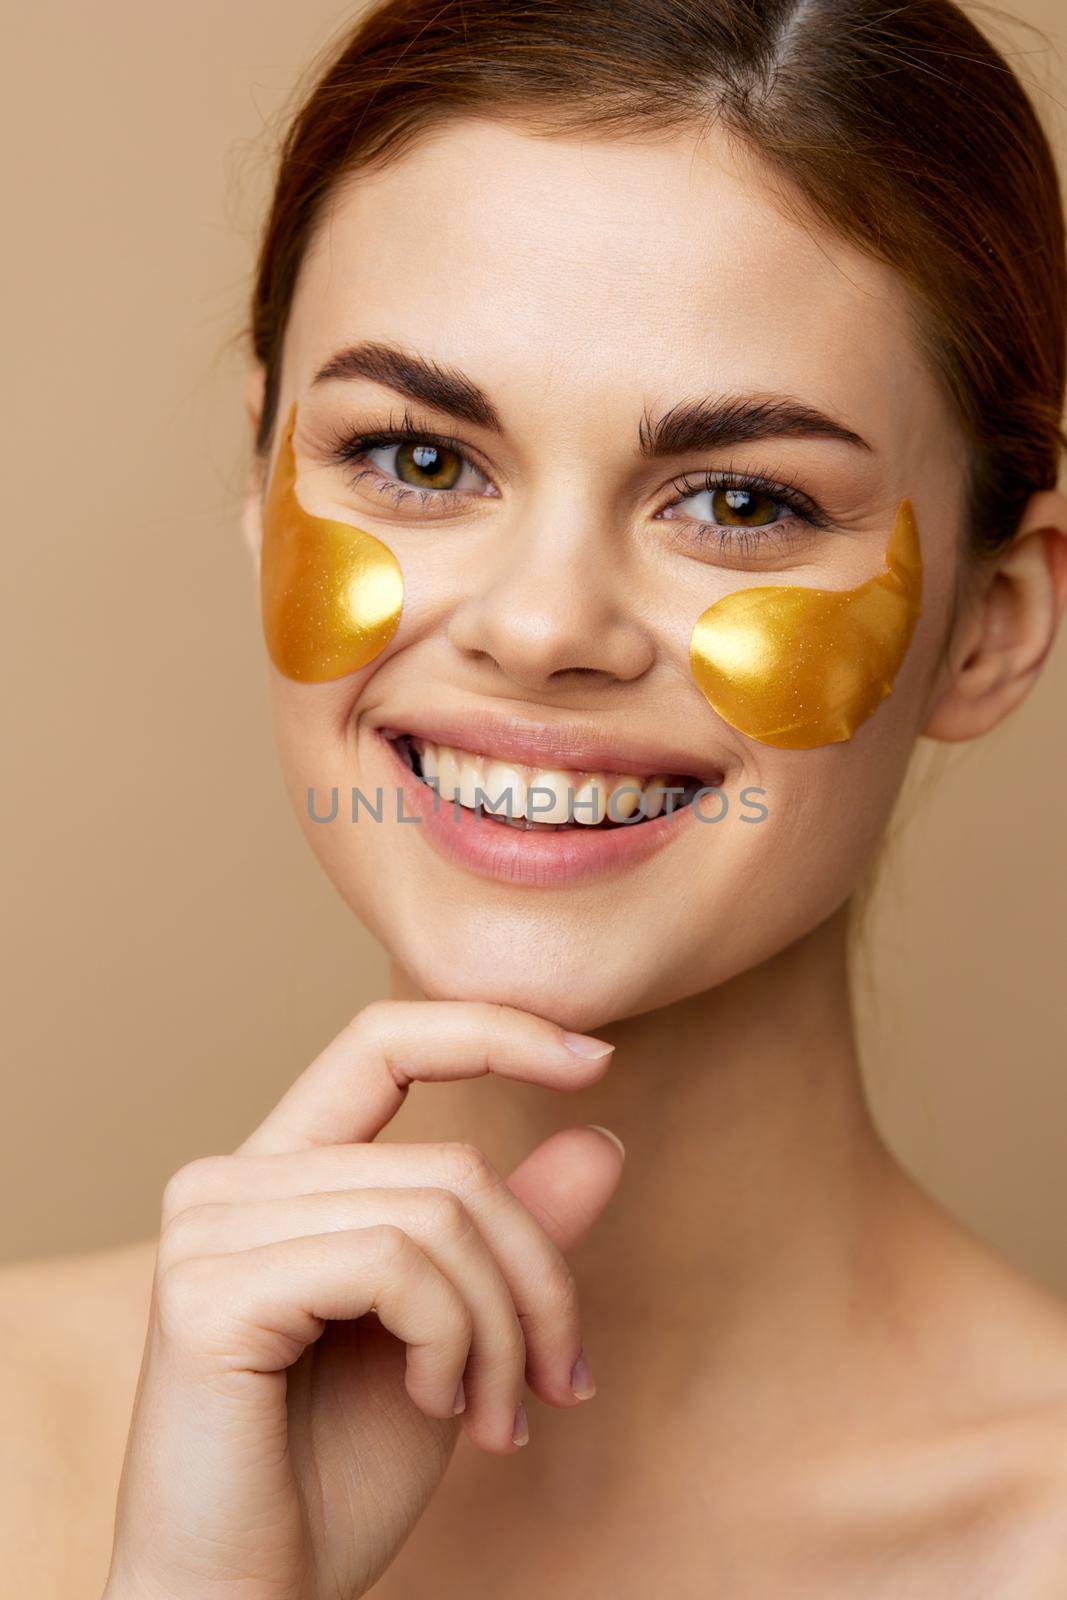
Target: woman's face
[573,294]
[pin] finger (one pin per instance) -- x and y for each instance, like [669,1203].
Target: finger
[256,1311]
[439,1224]
[358,1083]
[565,1184]
[568,1180]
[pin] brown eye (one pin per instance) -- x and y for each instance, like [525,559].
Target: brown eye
[743,508]
[428,466]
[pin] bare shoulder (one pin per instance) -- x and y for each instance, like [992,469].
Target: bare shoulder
[71,1334]
[1031,1506]
[988,1483]
[951,1475]
[1001,1527]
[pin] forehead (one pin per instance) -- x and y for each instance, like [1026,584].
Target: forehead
[643,269]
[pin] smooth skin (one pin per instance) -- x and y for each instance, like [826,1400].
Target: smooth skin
[307,1465]
[811,1380]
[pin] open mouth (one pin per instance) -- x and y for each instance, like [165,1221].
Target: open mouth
[545,799]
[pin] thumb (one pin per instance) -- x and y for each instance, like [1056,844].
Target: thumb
[568,1180]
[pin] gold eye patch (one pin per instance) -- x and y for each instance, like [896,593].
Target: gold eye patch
[796,667]
[330,594]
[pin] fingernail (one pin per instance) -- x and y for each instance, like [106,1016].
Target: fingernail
[460,1401]
[522,1432]
[582,1383]
[583,1044]
[608,1135]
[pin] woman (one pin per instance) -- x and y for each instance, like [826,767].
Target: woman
[654,404]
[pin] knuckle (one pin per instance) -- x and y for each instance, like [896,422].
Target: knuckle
[469,1169]
[446,1215]
[187,1297]
[191,1184]
[181,1235]
[560,1291]
[392,1247]
[374,1016]
[495,1022]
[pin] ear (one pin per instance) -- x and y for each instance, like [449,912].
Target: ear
[1007,625]
[252,506]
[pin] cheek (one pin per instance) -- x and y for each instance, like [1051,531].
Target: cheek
[311,724]
[331,594]
[797,668]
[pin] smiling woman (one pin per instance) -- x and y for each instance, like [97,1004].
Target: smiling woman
[655,429]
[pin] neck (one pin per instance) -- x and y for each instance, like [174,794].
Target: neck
[754,1180]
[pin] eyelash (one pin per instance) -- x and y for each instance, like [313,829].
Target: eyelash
[348,449]
[743,540]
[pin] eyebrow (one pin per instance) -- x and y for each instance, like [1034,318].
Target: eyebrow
[706,424]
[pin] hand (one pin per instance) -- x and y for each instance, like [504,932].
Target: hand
[285,1440]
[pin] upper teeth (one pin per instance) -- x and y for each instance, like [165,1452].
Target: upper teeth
[541,794]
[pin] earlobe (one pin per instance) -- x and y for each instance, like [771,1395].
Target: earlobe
[251,509]
[255,388]
[252,514]
[1001,641]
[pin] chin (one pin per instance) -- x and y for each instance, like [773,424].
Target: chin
[580,1007]
[576,999]
[581,992]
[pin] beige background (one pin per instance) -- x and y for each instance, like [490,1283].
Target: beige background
[173,956]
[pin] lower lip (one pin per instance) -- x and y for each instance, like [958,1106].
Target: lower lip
[517,855]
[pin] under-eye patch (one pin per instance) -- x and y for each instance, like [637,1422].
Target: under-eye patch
[331,594]
[796,667]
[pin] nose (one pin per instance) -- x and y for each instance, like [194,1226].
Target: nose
[553,604]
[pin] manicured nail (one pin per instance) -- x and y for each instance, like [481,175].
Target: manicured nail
[608,1135]
[461,1400]
[583,1044]
[521,1434]
[582,1383]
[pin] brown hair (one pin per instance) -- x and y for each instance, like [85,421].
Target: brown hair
[895,122]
